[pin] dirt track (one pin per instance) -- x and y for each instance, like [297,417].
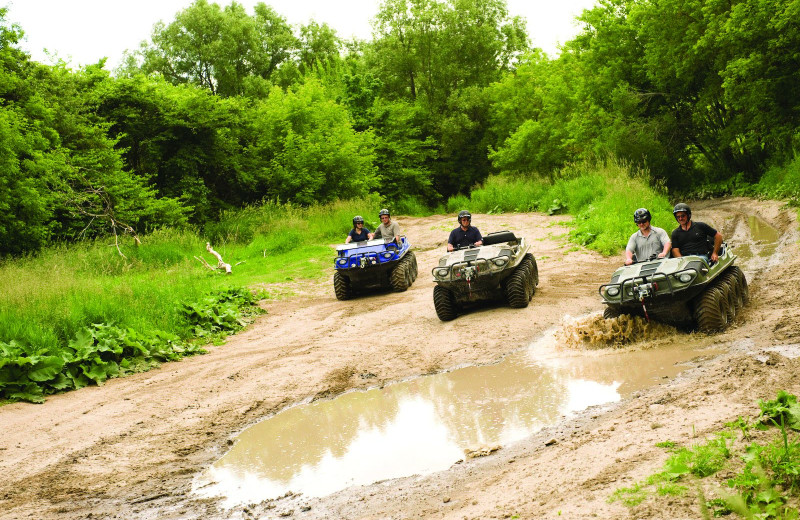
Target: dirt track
[130,448]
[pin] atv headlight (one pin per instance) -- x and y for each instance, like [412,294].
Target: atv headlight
[342,261]
[387,255]
[686,277]
[500,261]
[441,273]
[613,290]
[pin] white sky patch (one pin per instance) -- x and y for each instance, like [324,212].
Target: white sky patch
[82,32]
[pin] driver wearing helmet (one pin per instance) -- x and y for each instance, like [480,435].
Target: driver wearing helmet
[359,233]
[648,242]
[387,228]
[694,238]
[465,234]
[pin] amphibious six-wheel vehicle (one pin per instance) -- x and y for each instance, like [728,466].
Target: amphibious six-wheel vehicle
[685,292]
[379,263]
[502,267]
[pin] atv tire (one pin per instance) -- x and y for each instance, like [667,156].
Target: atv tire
[399,277]
[413,262]
[710,314]
[518,286]
[742,282]
[445,303]
[610,312]
[533,272]
[341,286]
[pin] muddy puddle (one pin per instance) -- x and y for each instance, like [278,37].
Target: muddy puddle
[428,423]
[764,241]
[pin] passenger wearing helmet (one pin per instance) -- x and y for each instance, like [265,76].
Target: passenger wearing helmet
[465,234]
[649,241]
[694,238]
[387,228]
[359,233]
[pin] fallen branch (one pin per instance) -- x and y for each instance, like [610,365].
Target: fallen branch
[203,261]
[220,263]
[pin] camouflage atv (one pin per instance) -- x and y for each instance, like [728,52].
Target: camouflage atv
[502,267]
[685,292]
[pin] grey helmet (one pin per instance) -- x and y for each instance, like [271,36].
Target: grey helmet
[383,212]
[641,215]
[464,214]
[358,219]
[682,207]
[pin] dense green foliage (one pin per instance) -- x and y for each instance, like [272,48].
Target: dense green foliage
[762,476]
[600,196]
[222,108]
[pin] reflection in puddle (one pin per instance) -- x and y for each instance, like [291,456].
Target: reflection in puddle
[424,425]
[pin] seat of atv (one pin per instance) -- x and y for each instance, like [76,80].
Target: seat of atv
[499,237]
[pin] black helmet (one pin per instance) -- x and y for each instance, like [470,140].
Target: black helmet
[464,214]
[641,215]
[358,219]
[682,207]
[383,212]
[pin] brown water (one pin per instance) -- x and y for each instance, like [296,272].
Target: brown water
[765,240]
[426,424]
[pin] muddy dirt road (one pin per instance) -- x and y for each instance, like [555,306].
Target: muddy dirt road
[130,448]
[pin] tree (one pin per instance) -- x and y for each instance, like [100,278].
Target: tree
[218,49]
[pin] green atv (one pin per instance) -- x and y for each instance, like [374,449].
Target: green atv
[685,292]
[501,268]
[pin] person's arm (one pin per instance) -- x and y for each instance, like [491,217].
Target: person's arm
[478,242]
[628,257]
[629,249]
[676,251]
[717,245]
[667,244]
[348,239]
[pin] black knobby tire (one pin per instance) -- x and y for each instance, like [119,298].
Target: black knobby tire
[731,278]
[341,286]
[398,278]
[533,273]
[709,313]
[517,287]
[728,299]
[445,303]
[611,312]
[414,268]
[742,281]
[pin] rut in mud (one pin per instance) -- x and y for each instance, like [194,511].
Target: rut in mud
[131,448]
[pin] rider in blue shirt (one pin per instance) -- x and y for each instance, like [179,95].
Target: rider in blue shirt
[359,233]
[465,234]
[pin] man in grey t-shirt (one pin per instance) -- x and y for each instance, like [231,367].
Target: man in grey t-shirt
[648,241]
[387,228]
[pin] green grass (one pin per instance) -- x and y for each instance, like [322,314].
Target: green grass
[601,198]
[765,480]
[157,298]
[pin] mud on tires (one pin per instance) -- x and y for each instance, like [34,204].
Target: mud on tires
[341,286]
[521,285]
[611,312]
[445,303]
[710,311]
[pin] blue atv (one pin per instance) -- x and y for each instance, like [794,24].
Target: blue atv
[379,263]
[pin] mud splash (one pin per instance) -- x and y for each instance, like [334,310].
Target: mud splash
[595,332]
